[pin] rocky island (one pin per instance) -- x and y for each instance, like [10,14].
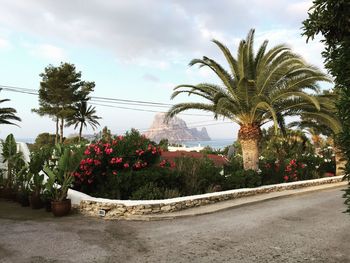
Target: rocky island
[176,130]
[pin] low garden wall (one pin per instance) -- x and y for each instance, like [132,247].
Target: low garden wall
[122,209]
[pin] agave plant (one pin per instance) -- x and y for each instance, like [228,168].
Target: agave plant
[258,88]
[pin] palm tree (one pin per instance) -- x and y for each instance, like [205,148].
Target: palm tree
[82,116]
[326,122]
[257,89]
[7,115]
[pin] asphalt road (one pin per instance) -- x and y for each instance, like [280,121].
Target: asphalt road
[303,228]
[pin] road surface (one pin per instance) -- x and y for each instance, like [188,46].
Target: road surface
[303,228]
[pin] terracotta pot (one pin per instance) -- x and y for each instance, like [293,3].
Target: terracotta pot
[61,208]
[23,199]
[8,193]
[48,205]
[35,202]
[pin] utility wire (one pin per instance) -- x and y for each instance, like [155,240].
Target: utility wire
[35,92]
[145,110]
[108,100]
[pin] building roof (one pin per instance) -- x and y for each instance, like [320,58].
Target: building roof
[217,159]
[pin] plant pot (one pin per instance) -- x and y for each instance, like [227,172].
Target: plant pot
[23,199]
[47,204]
[61,208]
[8,193]
[14,195]
[35,202]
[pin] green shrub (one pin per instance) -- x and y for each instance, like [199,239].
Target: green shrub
[196,175]
[243,179]
[235,164]
[149,191]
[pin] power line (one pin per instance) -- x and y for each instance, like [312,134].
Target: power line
[108,100]
[145,110]
[127,103]
[35,92]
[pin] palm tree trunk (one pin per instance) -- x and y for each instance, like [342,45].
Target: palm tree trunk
[56,137]
[61,129]
[80,131]
[249,136]
[340,161]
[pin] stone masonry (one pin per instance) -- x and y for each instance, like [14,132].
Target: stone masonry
[123,209]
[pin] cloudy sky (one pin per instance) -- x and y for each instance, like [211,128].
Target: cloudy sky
[134,50]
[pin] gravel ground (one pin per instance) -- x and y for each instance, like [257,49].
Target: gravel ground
[303,228]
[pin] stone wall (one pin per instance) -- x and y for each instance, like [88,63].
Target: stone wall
[122,209]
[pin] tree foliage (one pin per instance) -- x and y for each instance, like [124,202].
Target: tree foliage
[8,114]
[60,88]
[331,19]
[258,88]
[82,116]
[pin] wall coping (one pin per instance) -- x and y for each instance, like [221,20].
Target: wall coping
[78,196]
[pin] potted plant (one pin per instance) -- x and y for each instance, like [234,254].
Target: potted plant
[36,164]
[2,183]
[14,163]
[62,176]
[48,193]
[36,187]
[23,179]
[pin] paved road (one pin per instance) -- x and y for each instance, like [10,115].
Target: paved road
[303,228]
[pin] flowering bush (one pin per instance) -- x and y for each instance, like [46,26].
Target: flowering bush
[293,171]
[130,152]
[306,167]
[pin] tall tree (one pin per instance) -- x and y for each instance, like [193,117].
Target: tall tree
[331,19]
[83,115]
[258,88]
[60,88]
[7,114]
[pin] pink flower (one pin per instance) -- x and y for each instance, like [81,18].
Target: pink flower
[87,152]
[97,150]
[126,165]
[286,178]
[114,172]
[108,151]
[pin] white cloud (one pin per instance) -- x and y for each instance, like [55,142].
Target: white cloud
[47,51]
[311,51]
[149,32]
[299,9]
[4,44]
[150,77]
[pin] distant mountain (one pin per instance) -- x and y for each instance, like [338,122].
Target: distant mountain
[175,130]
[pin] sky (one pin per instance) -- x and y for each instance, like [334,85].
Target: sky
[135,50]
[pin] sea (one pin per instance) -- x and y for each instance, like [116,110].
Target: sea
[214,143]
